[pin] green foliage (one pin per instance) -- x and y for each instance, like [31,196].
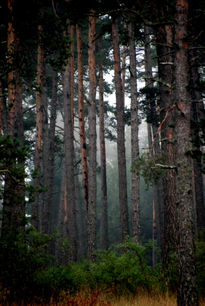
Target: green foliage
[151,168]
[20,257]
[125,269]
[121,270]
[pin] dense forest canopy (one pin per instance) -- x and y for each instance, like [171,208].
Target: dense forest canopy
[102,141]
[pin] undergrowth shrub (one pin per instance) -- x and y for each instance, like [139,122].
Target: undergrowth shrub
[21,256]
[27,273]
[125,269]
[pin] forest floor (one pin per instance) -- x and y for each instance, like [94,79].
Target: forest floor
[99,299]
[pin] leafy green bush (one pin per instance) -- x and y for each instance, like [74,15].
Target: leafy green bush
[125,269]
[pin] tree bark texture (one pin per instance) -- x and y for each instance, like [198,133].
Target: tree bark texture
[165,70]
[13,217]
[92,138]
[134,135]
[187,294]
[72,69]
[49,163]
[11,72]
[83,145]
[122,175]
[39,129]
[104,212]
[69,162]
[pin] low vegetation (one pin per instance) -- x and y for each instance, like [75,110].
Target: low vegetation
[121,275]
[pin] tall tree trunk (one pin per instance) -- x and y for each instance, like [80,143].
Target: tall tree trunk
[187,294]
[80,219]
[13,217]
[43,205]
[104,213]
[165,68]
[196,116]
[153,141]
[11,72]
[134,135]
[72,69]
[49,155]
[61,253]
[122,175]
[92,138]
[39,128]
[69,161]
[83,145]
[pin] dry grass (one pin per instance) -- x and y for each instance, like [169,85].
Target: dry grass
[97,298]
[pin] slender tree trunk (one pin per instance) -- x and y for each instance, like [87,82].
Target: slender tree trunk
[123,68]
[69,161]
[39,128]
[43,205]
[72,69]
[61,253]
[11,74]
[83,145]
[80,219]
[187,294]
[154,235]
[104,213]
[92,138]
[134,135]
[153,139]
[49,156]
[122,175]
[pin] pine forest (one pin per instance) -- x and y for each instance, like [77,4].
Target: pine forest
[102,152]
